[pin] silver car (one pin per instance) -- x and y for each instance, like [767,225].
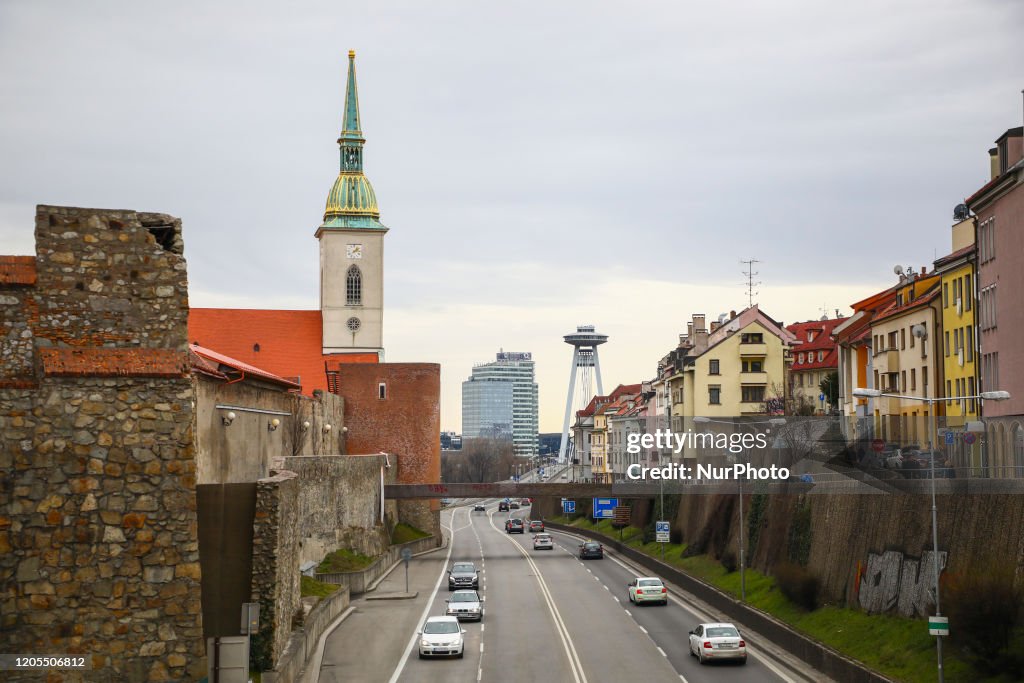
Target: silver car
[647,589]
[718,641]
[465,604]
[543,542]
[441,636]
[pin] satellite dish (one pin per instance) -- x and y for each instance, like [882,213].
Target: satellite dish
[961,212]
[898,269]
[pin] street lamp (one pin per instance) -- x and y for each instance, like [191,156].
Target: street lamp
[743,573]
[984,395]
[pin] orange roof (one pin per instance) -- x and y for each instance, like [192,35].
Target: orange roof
[288,344]
[241,366]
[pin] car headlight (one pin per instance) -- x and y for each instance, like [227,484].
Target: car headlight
[424,643]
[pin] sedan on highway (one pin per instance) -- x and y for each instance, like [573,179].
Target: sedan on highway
[647,589]
[479,508]
[591,549]
[441,636]
[710,642]
[536,525]
[465,605]
[543,542]
[513,505]
[515,526]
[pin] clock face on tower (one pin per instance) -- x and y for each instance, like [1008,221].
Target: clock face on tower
[354,250]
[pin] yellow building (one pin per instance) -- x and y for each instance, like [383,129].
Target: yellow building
[959,339]
[903,363]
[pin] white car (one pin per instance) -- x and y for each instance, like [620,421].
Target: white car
[647,589]
[441,636]
[710,642]
[465,604]
[543,542]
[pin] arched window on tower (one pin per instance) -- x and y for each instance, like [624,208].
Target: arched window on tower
[354,287]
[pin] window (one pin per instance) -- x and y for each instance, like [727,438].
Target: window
[821,356]
[969,354]
[911,337]
[800,359]
[903,339]
[987,241]
[924,378]
[753,394]
[971,391]
[713,366]
[968,292]
[913,379]
[715,394]
[382,391]
[947,343]
[892,340]
[752,338]
[753,366]
[903,380]
[354,287]
[945,295]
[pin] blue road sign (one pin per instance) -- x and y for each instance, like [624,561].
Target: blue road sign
[661,527]
[950,438]
[604,508]
[821,397]
[568,507]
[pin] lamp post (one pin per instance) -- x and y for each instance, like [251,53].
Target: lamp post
[743,567]
[918,331]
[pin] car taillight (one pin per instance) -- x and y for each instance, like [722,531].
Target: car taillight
[707,644]
[639,592]
[664,590]
[742,644]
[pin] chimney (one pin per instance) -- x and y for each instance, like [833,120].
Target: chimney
[698,322]
[732,314]
[993,163]
[689,329]
[715,325]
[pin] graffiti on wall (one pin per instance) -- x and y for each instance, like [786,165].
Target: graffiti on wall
[893,581]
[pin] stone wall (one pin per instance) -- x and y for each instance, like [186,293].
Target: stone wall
[98,538]
[246,450]
[406,422]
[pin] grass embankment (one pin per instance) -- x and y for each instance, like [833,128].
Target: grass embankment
[403,533]
[343,560]
[896,646]
[312,588]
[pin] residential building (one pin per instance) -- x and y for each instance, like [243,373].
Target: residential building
[592,431]
[904,363]
[813,358]
[503,392]
[854,355]
[959,340]
[999,210]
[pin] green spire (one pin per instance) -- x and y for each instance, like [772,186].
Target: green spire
[351,129]
[351,203]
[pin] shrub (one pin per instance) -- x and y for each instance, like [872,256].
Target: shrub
[756,518]
[728,560]
[983,607]
[797,584]
[799,541]
[403,533]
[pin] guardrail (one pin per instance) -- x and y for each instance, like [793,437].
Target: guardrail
[359,581]
[822,658]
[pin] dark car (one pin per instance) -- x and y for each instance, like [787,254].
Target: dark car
[479,508]
[537,525]
[463,575]
[503,506]
[515,526]
[514,505]
[591,550]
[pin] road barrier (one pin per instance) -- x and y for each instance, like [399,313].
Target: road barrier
[819,656]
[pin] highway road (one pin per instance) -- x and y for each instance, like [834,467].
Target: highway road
[548,617]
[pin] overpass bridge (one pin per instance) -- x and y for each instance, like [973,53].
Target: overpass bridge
[578,489]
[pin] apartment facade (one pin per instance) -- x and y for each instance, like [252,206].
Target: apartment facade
[814,357]
[999,210]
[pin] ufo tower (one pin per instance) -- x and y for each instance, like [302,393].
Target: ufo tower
[585,364]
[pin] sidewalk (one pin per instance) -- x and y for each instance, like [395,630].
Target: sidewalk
[377,625]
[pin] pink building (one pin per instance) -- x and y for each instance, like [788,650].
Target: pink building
[999,206]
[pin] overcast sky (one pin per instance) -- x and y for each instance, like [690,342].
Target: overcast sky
[540,165]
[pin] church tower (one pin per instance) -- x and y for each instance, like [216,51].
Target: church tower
[352,248]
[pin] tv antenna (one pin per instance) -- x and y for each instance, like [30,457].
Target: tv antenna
[750,273]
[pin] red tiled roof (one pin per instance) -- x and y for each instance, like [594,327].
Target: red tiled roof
[894,310]
[240,366]
[17,270]
[822,342]
[955,255]
[106,362]
[283,343]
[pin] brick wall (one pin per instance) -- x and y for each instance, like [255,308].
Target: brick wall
[98,537]
[407,423]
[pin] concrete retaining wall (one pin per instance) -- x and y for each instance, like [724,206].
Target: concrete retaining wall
[303,641]
[360,581]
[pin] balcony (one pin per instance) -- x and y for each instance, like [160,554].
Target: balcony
[887,361]
[754,378]
[753,350]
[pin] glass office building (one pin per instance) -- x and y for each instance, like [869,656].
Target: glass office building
[500,399]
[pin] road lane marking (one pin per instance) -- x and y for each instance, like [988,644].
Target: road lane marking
[661,651]
[616,598]
[628,613]
[430,602]
[575,665]
[641,628]
[608,589]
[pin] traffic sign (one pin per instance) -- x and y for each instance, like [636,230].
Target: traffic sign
[821,397]
[661,531]
[950,438]
[604,508]
[938,626]
[568,507]
[406,555]
[969,438]
[877,445]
